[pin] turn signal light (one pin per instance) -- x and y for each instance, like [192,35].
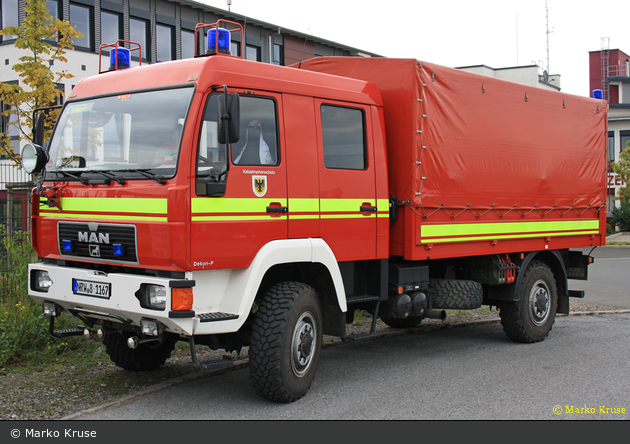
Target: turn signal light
[182,299]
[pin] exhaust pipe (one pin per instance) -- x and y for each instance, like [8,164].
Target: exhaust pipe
[437,314]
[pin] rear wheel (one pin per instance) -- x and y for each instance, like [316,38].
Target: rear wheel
[148,356]
[531,318]
[286,341]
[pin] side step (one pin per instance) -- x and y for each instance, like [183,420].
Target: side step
[372,333]
[214,317]
[216,364]
[79,331]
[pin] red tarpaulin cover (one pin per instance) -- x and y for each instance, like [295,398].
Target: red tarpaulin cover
[463,141]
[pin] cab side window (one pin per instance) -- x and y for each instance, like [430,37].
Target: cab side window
[258,144]
[343,137]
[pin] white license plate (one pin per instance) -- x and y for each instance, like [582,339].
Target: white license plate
[89,288]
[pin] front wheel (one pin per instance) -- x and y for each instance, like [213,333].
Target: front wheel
[148,356]
[285,342]
[531,318]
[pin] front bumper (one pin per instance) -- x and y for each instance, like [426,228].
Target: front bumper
[121,305]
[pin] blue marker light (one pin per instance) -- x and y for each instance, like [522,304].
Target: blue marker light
[224,40]
[66,245]
[598,94]
[118,249]
[124,56]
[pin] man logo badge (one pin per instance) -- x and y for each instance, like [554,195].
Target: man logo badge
[95,251]
[259,184]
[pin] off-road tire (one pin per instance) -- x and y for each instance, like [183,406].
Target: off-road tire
[531,318]
[455,294]
[409,322]
[145,357]
[285,342]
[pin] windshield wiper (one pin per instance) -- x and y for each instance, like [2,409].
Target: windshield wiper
[147,173]
[109,176]
[83,180]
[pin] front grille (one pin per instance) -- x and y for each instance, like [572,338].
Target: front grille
[96,241]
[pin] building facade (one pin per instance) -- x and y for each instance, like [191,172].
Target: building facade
[609,71]
[165,30]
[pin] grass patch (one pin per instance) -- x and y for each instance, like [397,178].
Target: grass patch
[617,243]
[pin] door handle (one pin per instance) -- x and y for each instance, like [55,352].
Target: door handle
[366,207]
[275,207]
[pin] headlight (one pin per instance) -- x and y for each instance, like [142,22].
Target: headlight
[152,296]
[150,327]
[157,296]
[40,281]
[51,309]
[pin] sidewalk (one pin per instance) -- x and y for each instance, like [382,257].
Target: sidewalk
[619,237]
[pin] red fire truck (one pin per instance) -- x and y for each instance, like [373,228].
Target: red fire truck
[230,204]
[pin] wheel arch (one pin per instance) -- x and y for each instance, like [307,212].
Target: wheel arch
[555,261]
[511,292]
[310,261]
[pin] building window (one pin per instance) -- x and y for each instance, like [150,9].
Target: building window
[252,53]
[7,127]
[164,39]
[188,44]
[138,33]
[624,137]
[9,16]
[53,7]
[278,54]
[81,19]
[611,148]
[235,48]
[110,27]
[343,138]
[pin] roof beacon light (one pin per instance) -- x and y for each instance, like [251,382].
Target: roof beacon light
[120,54]
[223,41]
[598,94]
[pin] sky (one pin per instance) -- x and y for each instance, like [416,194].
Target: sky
[456,33]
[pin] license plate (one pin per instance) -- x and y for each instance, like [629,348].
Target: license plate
[89,288]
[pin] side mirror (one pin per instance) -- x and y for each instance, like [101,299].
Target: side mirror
[229,118]
[38,129]
[34,158]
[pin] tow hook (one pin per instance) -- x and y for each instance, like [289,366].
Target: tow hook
[133,342]
[88,333]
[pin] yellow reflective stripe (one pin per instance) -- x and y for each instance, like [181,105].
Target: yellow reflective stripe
[506,230]
[224,209]
[303,208]
[97,207]
[383,207]
[509,236]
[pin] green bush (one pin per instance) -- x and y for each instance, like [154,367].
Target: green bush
[621,215]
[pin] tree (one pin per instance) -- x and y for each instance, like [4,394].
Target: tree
[45,41]
[621,214]
[622,167]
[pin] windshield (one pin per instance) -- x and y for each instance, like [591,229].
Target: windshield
[135,132]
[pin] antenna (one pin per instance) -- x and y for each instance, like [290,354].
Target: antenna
[548,32]
[229,3]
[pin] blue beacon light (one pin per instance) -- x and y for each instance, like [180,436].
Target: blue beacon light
[66,245]
[124,57]
[118,249]
[224,40]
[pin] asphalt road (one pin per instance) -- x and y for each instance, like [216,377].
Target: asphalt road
[608,277]
[466,373]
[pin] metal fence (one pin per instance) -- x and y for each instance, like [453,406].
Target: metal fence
[15,211]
